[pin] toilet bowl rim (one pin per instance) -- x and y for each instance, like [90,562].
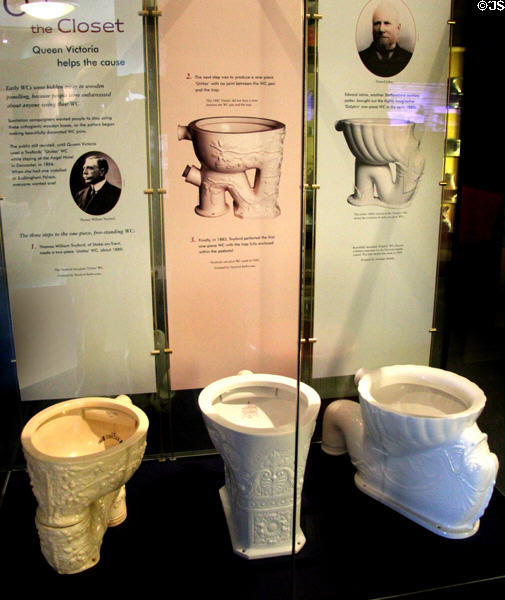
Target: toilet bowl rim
[272,124]
[389,122]
[234,382]
[35,422]
[441,379]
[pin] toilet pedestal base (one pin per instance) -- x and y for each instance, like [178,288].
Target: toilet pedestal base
[76,548]
[253,550]
[444,531]
[357,200]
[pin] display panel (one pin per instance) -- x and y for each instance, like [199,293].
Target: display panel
[231,89]
[74,212]
[383,69]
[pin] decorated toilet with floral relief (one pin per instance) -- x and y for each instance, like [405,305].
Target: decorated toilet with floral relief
[388,163]
[251,419]
[228,148]
[416,446]
[79,455]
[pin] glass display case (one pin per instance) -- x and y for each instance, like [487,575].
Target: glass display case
[252,272]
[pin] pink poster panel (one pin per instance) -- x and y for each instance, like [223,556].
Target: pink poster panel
[231,88]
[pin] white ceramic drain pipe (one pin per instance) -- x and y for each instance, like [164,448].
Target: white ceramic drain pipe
[342,429]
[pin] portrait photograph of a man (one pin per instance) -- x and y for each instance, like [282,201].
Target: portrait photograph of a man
[95,183]
[385,37]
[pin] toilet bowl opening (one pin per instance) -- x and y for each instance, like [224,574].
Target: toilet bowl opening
[235,125]
[83,431]
[419,399]
[259,406]
[227,127]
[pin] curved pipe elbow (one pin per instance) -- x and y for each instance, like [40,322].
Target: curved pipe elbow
[342,429]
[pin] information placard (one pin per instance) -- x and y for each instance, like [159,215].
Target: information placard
[231,83]
[383,68]
[74,213]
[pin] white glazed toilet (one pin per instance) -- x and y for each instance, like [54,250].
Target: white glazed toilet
[414,441]
[388,162]
[251,419]
[227,147]
[79,455]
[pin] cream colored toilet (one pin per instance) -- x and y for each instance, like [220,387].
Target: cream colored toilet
[79,455]
[251,419]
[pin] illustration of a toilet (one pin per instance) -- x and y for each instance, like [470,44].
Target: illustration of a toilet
[79,455]
[227,148]
[251,419]
[414,441]
[388,162]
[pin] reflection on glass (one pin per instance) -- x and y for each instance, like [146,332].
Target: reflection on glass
[47,9]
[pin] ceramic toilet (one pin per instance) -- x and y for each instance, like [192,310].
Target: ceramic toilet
[251,419]
[227,148]
[388,163]
[414,441]
[79,455]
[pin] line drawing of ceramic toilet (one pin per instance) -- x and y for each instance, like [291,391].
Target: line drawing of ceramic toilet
[227,148]
[388,162]
[79,455]
[414,441]
[251,420]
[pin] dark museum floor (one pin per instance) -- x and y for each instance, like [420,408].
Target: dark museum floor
[175,539]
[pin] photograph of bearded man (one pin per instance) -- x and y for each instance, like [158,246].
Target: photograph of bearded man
[385,56]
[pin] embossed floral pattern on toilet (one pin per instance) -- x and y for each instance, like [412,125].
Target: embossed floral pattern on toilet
[251,422]
[388,162]
[262,487]
[79,455]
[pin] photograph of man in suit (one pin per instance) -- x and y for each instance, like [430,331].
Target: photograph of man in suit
[384,57]
[99,196]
